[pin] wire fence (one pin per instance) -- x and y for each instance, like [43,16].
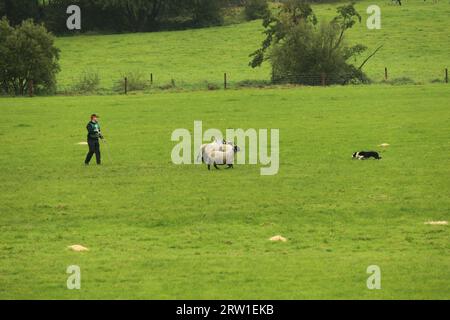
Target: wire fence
[92,83]
[150,83]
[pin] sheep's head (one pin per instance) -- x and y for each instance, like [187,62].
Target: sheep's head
[228,142]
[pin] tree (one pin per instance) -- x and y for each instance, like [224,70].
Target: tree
[309,55]
[5,32]
[292,13]
[303,51]
[27,53]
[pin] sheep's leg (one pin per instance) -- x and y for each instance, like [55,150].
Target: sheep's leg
[230,166]
[209,167]
[215,166]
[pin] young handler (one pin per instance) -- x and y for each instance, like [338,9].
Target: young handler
[94,133]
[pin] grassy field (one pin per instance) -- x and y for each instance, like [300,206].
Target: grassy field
[157,230]
[416,39]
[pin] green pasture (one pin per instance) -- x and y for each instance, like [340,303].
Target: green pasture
[156,230]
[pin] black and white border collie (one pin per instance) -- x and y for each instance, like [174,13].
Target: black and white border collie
[364,155]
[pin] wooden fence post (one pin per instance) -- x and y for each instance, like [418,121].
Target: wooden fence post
[225,81]
[151,78]
[446,75]
[126,85]
[30,88]
[322,76]
[385,73]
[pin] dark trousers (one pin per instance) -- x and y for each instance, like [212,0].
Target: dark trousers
[94,148]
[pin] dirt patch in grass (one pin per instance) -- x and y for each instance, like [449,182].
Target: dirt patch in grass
[78,248]
[278,239]
[437,223]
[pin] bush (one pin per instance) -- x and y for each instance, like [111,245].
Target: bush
[27,53]
[256,9]
[135,81]
[302,51]
[212,86]
[88,82]
[306,56]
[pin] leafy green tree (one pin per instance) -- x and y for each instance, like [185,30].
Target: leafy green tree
[292,13]
[5,32]
[27,53]
[302,51]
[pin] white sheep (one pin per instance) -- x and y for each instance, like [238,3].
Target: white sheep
[224,156]
[216,145]
[207,148]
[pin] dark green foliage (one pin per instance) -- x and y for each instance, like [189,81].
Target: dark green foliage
[136,15]
[277,27]
[27,53]
[95,16]
[19,10]
[117,15]
[205,12]
[256,9]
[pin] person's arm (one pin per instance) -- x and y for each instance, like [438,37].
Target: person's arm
[99,132]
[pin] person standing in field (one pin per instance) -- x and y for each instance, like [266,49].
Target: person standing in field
[94,134]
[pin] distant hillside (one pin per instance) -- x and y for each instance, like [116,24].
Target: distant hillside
[416,39]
